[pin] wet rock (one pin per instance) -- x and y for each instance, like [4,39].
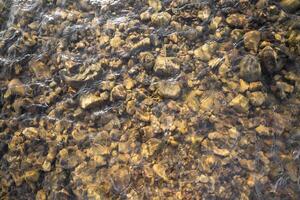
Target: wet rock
[240,104]
[165,66]
[142,45]
[205,52]
[237,20]
[250,69]
[269,58]
[251,40]
[204,13]
[160,170]
[116,42]
[263,130]
[32,176]
[93,100]
[155,4]
[161,19]
[118,93]
[40,69]
[15,87]
[145,16]
[70,157]
[257,98]
[290,5]
[147,59]
[86,76]
[221,152]
[150,147]
[121,177]
[192,100]
[168,89]
[284,89]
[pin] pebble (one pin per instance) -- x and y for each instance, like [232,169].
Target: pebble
[240,103]
[161,19]
[251,40]
[250,69]
[169,89]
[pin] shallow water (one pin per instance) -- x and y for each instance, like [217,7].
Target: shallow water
[109,99]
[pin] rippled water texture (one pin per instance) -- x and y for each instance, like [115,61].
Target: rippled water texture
[149,99]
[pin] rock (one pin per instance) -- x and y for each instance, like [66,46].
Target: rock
[32,176]
[237,20]
[15,87]
[142,45]
[203,178]
[161,19]
[86,76]
[41,195]
[283,89]
[116,42]
[205,52]
[240,103]
[192,100]
[165,66]
[251,40]
[244,86]
[155,4]
[168,89]
[250,69]
[221,152]
[160,170]
[150,147]
[118,93]
[268,59]
[248,164]
[40,70]
[257,98]
[91,100]
[263,130]
[145,16]
[290,5]
[120,176]
[204,13]
[215,23]
[215,135]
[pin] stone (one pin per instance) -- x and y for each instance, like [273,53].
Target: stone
[204,13]
[237,20]
[215,135]
[32,176]
[165,66]
[15,87]
[120,176]
[203,178]
[244,86]
[168,89]
[205,52]
[41,195]
[118,93]
[160,170]
[251,40]
[155,4]
[263,130]
[161,19]
[145,16]
[221,152]
[290,5]
[92,100]
[40,69]
[257,98]
[142,45]
[216,21]
[248,164]
[250,69]
[116,42]
[240,103]
[268,57]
